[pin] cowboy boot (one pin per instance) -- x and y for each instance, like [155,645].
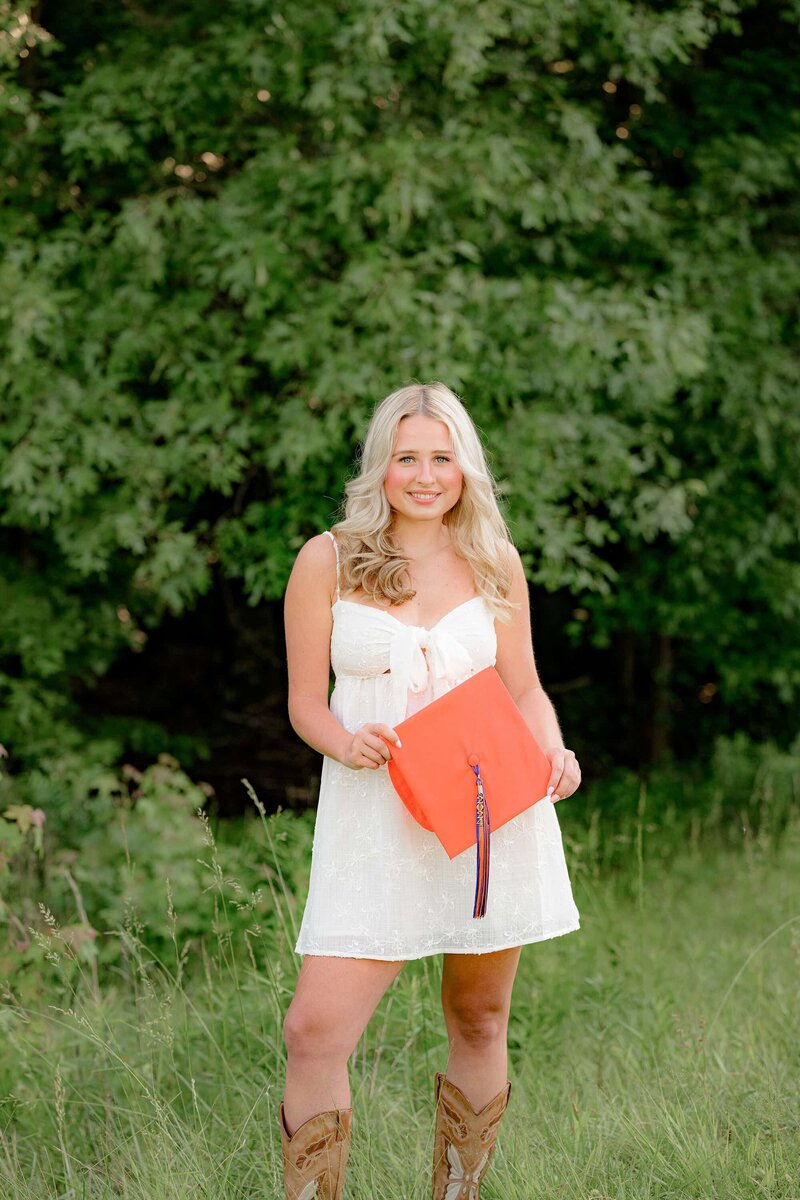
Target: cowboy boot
[464,1141]
[315,1156]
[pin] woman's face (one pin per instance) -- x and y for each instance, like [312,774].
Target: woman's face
[423,479]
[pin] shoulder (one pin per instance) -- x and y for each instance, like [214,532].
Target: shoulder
[318,550]
[512,560]
[517,581]
[510,550]
[315,565]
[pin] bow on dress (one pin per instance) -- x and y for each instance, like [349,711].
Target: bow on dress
[447,660]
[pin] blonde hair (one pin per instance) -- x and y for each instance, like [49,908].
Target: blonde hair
[370,558]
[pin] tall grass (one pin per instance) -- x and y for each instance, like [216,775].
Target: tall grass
[653,1053]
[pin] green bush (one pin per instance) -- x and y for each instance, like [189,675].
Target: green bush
[147,866]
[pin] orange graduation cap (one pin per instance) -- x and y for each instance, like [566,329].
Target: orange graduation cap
[468,763]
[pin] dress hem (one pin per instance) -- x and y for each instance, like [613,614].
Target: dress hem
[439,950]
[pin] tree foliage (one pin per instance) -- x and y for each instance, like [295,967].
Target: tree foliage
[229,230]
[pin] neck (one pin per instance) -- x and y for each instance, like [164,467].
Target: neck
[418,539]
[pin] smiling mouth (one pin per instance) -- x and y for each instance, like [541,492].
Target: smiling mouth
[424,495]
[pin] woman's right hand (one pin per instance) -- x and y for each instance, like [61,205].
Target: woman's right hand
[368,749]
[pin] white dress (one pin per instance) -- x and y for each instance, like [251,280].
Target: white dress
[382,886]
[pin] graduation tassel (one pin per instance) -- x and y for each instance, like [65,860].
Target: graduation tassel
[483,831]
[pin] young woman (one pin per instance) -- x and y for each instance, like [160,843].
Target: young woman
[416,589]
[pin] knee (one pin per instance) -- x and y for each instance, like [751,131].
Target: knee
[478,1023]
[307,1034]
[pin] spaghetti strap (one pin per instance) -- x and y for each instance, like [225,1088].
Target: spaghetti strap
[336,548]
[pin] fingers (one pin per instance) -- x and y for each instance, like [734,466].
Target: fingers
[565,775]
[387,732]
[372,742]
[369,748]
[556,768]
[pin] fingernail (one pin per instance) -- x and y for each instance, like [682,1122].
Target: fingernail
[549,790]
[555,796]
[400,744]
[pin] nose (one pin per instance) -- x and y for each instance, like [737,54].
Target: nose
[425,474]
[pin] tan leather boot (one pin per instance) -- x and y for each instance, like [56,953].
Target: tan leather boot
[315,1156]
[464,1141]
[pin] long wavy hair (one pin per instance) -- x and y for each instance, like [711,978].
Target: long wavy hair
[369,556]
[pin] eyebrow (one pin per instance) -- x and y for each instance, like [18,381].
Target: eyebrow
[417,452]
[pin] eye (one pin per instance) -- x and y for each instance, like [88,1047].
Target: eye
[410,458]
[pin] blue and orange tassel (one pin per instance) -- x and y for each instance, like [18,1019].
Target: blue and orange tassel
[483,831]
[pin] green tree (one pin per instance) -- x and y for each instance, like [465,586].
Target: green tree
[229,231]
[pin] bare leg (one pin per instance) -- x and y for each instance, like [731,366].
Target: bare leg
[476,1000]
[333,1002]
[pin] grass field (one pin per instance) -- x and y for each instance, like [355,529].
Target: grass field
[654,1054]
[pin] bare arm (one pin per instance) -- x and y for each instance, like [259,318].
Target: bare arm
[516,666]
[308,623]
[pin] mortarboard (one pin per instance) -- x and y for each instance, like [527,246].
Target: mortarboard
[468,763]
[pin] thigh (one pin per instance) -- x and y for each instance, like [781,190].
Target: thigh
[479,981]
[339,994]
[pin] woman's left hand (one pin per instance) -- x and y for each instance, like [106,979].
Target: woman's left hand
[565,774]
